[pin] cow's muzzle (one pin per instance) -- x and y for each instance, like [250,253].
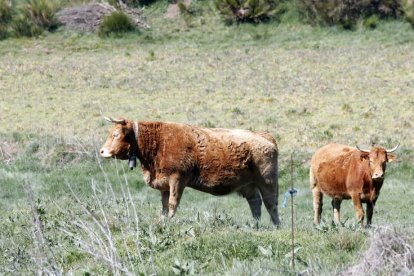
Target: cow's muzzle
[105,153]
[378,176]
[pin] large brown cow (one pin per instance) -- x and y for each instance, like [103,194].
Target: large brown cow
[213,160]
[342,172]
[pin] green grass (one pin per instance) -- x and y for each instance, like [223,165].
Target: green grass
[209,234]
[307,86]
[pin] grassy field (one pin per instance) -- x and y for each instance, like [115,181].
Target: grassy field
[63,210]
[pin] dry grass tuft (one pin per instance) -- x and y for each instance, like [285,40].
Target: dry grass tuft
[389,252]
[8,151]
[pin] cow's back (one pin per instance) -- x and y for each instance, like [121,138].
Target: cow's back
[329,168]
[231,158]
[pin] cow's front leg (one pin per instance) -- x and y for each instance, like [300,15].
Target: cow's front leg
[370,212]
[356,200]
[336,206]
[165,196]
[176,190]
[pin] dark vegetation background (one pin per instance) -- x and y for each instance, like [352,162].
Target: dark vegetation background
[309,72]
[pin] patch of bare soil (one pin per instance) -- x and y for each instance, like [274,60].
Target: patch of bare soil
[87,18]
[390,252]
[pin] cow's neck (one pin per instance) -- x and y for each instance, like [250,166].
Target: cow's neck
[376,186]
[148,142]
[133,154]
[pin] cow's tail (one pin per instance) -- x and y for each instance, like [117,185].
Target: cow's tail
[312,179]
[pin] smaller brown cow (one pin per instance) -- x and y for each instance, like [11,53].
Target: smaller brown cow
[342,172]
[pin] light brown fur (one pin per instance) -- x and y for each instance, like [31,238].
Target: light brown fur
[217,161]
[342,172]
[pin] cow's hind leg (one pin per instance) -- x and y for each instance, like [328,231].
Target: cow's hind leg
[317,204]
[317,198]
[269,195]
[176,191]
[165,196]
[252,196]
[336,206]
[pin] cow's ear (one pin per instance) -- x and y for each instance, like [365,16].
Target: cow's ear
[364,155]
[391,157]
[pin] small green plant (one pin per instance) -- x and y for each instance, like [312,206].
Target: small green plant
[247,10]
[371,22]
[116,23]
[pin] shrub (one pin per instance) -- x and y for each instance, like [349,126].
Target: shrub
[116,23]
[408,8]
[5,11]
[335,12]
[33,17]
[247,10]
[348,12]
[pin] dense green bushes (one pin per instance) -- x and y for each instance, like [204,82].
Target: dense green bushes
[345,13]
[33,17]
[348,13]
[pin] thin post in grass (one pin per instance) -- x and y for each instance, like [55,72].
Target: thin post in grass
[293,229]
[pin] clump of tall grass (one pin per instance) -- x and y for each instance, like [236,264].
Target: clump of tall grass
[408,8]
[5,11]
[117,23]
[35,16]
[5,17]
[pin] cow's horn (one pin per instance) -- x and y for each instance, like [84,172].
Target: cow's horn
[393,149]
[363,150]
[122,121]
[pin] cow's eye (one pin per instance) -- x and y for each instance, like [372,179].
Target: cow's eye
[116,135]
